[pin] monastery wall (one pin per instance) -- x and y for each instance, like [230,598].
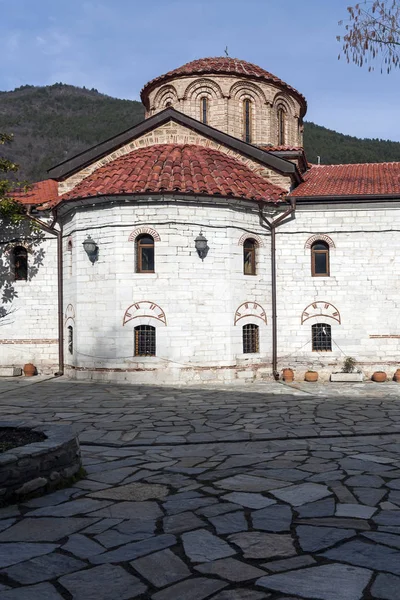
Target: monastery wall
[29,333]
[197,307]
[360,299]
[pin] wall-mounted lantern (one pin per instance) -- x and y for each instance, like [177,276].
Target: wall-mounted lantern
[200,243]
[91,249]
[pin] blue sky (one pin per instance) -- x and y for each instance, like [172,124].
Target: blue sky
[116,46]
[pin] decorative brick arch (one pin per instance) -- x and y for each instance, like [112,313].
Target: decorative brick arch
[250,309]
[321,309]
[201,87]
[319,238]
[246,89]
[141,230]
[166,94]
[250,236]
[144,308]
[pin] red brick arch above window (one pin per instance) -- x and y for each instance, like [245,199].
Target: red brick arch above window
[144,230]
[319,238]
[320,309]
[251,236]
[144,308]
[250,309]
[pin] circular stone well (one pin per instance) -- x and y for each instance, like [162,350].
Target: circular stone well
[41,466]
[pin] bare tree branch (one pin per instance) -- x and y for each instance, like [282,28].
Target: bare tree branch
[372,34]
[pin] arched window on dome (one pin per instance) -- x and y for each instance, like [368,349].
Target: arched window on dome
[204,110]
[281,126]
[247,120]
[320,259]
[145,254]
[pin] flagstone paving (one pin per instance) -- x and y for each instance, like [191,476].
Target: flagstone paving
[254,492]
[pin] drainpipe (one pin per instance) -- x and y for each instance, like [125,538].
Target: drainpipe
[272,226]
[60,310]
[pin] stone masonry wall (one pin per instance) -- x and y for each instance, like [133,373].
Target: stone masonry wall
[363,288]
[192,304]
[226,95]
[29,333]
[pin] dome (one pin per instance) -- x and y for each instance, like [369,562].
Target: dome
[222,65]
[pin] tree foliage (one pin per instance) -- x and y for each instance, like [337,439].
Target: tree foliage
[9,208]
[372,34]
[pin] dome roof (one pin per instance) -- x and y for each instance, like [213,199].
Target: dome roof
[221,65]
[176,168]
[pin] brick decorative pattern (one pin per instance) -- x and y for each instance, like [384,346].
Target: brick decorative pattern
[142,309]
[144,230]
[320,309]
[28,341]
[250,309]
[247,236]
[319,238]
[387,336]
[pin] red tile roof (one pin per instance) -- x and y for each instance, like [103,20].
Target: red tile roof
[282,148]
[175,168]
[38,193]
[368,179]
[221,65]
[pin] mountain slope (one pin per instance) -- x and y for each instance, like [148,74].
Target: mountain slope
[54,122]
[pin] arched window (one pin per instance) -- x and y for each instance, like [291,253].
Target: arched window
[20,263]
[249,257]
[70,339]
[320,259]
[247,117]
[281,127]
[145,340]
[145,254]
[204,110]
[251,340]
[321,337]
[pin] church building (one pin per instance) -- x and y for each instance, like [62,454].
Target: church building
[201,246]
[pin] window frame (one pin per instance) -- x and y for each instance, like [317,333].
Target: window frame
[247,120]
[315,333]
[281,126]
[152,342]
[15,256]
[139,258]
[253,251]
[251,339]
[325,252]
[204,110]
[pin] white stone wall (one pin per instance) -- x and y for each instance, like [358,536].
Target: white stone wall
[363,286]
[225,95]
[29,333]
[199,299]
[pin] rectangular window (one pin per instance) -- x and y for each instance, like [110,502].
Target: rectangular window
[250,339]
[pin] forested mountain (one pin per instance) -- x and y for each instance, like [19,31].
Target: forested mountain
[54,122]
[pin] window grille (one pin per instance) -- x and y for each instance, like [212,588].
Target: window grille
[145,254]
[20,260]
[250,339]
[321,337]
[145,340]
[70,339]
[320,259]
[249,257]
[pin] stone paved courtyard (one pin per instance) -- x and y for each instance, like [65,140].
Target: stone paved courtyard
[264,491]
